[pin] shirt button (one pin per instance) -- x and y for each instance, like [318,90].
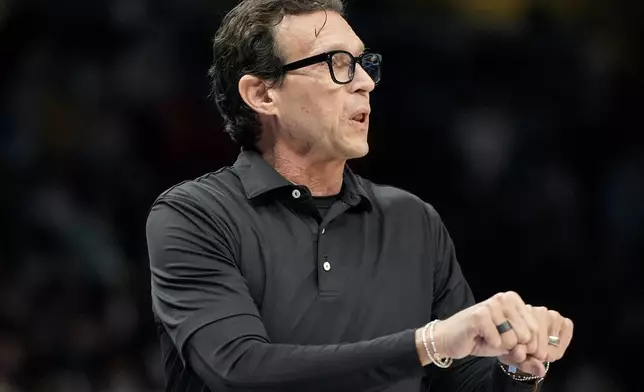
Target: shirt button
[326,266]
[323,230]
[296,194]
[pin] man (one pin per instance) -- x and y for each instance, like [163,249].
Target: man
[287,272]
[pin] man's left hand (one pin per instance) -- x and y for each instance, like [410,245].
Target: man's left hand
[543,347]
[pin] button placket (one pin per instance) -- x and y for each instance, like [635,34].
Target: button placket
[326,265]
[327,273]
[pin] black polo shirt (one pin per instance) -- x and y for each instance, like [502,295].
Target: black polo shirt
[254,289]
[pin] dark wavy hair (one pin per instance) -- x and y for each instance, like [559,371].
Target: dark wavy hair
[245,44]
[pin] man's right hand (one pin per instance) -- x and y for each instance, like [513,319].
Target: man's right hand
[473,331]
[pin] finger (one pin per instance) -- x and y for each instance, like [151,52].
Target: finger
[533,326]
[518,354]
[541,314]
[508,339]
[533,366]
[555,325]
[565,335]
[488,331]
[519,325]
[511,303]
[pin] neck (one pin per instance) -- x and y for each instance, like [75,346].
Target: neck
[322,178]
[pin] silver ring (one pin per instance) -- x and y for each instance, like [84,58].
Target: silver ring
[553,341]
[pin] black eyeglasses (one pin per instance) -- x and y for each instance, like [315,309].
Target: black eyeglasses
[342,65]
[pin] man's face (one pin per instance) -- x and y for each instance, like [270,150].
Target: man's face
[316,116]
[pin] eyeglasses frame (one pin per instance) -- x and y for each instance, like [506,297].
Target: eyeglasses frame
[327,58]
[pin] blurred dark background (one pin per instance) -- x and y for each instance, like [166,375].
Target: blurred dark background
[519,120]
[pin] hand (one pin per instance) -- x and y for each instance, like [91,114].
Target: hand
[473,331]
[530,358]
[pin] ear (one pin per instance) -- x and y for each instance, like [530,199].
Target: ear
[256,94]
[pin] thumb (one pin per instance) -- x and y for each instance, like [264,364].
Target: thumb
[533,366]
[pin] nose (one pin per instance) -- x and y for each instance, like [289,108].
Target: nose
[362,81]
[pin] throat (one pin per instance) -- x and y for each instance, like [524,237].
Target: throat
[322,179]
[322,187]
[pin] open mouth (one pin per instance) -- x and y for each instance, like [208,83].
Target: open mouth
[361,118]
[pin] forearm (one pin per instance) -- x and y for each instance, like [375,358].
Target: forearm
[250,363]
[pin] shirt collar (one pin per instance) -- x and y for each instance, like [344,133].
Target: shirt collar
[258,177]
[354,192]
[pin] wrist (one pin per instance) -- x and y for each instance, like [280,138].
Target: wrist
[518,375]
[420,348]
[526,369]
[439,340]
[427,347]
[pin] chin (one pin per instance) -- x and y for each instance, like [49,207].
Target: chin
[357,151]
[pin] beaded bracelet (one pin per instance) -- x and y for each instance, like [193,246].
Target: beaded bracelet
[511,371]
[432,354]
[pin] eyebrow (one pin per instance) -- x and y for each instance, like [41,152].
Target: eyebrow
[340,45]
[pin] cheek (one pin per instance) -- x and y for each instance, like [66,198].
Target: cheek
[317,102]
[306,103]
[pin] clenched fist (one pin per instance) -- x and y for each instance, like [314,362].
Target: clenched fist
[474,331]
[529,358]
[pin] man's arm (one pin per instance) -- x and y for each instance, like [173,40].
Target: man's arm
[451,295]
[204,303]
